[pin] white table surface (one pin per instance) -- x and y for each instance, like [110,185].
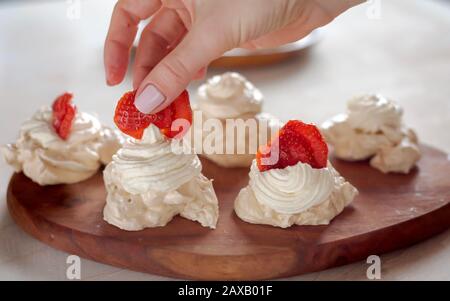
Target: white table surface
[404,54]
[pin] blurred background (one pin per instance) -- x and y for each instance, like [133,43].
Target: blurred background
[400,48]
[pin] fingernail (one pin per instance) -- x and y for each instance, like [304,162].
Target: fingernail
[149,99]
[108,78]
[110,74]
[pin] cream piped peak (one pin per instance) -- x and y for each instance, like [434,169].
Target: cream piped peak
[292,189]
[373,113]
[153,164]
[297,194]
[229,95]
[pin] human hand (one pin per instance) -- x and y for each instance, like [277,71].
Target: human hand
[184,36]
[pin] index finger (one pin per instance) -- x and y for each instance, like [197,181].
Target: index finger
[122,31]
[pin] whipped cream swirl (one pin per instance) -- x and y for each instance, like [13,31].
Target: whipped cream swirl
[293,189]
[152,164]
[373,113]
[297,194]
[47,159]
[229,95]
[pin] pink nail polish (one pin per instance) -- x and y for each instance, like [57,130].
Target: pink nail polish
[149,99]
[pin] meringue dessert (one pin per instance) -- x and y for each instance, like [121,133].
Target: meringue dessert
[373,129]
[60,145]
[153,177]
[301,188]
[230,96]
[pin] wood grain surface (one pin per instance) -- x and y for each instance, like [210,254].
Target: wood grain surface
[392,211]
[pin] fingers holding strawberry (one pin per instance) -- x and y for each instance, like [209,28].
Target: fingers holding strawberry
[173,121]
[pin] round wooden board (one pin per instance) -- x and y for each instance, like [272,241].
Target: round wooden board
[391,212]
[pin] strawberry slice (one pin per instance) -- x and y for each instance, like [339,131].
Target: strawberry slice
[180,111]
[133,123]
[295,142]
[63,115]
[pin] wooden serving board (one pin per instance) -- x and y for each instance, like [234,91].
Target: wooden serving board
[391,212]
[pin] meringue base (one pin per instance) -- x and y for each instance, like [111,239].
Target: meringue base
[194,200]
[389,151]
[400,158]
[43,170]
[249,209]
[350,144]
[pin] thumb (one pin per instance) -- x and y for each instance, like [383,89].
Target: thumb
[174,72]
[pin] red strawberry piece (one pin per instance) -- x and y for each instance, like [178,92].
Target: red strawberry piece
[295,142]
[128,118]
[63,115]
[179,111]
[133,123]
